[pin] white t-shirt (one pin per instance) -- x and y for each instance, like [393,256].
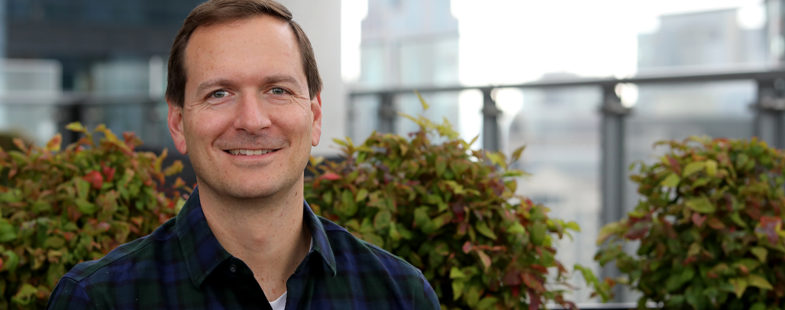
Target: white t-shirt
[280,303]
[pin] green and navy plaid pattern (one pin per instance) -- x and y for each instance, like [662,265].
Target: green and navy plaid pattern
[182,266]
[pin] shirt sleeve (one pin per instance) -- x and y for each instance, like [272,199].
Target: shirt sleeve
[427,299]
[68,294]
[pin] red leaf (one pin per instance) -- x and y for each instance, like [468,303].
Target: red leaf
[674,164]
[539,268]
[467,247]
[637,231]
[698,219]
[532,282]
[95,178]
[108,172]
[332,176]
[1,263]
[769,226]
[534,300]
[68,235]
[716,223]
[512,278]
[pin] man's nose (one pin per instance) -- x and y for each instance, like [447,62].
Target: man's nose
[251,113]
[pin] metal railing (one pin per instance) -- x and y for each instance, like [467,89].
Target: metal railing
[768,122]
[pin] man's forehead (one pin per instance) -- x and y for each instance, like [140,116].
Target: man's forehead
[214,35]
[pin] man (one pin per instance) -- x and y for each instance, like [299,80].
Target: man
[244,105]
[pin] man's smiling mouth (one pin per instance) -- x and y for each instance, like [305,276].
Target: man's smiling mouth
[242,152]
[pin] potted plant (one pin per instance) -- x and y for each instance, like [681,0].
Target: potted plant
[59,207]
[708,227]
[451,211]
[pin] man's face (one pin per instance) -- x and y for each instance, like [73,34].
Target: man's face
[247,123]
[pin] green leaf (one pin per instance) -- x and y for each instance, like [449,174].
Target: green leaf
[12,262]
[11,196]
[472,296]
[758,306]
[672,180]
[572,225]
[456,273]
[695,249]
[487,303]
[760,253]
[456,188]
[25,295]
[82,188]
[758,281]
[422,101]
[361,195]
[711,168]
[496,158]
[76,127]
[739,286]
[457,289]
[517,153]
[701,204]
[516,228]
[737,219]
[441,165]
[382,219]
[7,231]
[483,229]
[421,218]
[538,231]
[677,279]
[693,167]
[54,242]
[348,207]
[85,206]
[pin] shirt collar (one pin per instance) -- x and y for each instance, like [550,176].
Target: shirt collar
[321,244]
[203,253]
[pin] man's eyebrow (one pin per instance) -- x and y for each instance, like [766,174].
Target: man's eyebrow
[281,78]
[211,83]
[273,79]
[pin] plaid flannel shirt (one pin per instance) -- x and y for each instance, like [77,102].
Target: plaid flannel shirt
[182,266]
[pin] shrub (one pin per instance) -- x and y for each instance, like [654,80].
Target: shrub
[61,207]
[450,211]
[709,227]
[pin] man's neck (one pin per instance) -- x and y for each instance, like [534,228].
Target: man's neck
[267,234]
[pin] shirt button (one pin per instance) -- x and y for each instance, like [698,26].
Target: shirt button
[232,268]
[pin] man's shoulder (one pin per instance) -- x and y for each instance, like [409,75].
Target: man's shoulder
[123,260]
[369,273]
[352,252]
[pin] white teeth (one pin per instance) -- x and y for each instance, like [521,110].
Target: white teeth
[249,152]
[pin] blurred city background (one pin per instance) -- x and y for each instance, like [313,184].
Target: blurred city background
[587,86]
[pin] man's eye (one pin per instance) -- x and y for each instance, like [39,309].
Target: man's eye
[278,91]
[218,94]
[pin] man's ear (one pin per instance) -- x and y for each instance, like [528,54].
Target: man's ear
[316,127]
[175,122]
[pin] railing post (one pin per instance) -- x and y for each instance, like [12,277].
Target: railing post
[387,113]
[769,108]
[490,122]
[613,172]
[67,112]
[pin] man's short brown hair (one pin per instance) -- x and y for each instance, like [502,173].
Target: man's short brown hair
[220,11]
